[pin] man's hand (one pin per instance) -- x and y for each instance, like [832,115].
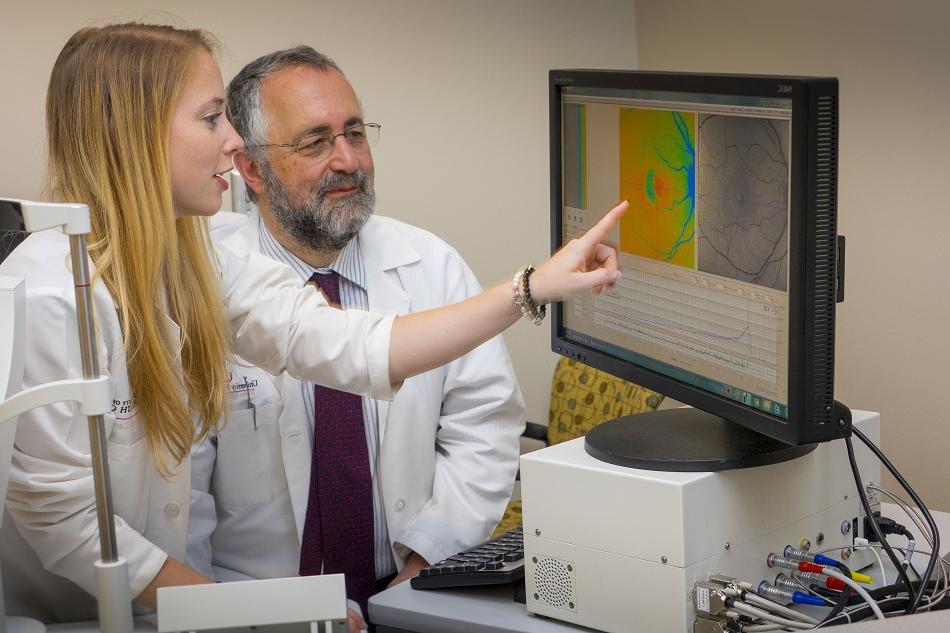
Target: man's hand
[413,564]
[355,621]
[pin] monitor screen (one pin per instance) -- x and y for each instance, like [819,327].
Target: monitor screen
[730,232]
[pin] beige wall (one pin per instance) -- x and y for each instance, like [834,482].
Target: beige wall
[893,62]
[460,87]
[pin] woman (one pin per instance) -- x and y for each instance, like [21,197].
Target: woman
[135,117]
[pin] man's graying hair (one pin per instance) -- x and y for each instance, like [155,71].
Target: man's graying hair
[244,95]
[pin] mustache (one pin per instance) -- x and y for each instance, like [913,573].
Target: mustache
[342,180]
[315,221]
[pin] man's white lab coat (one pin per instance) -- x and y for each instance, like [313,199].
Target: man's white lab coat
[448,441]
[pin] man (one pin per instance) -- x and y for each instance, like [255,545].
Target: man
[300,472]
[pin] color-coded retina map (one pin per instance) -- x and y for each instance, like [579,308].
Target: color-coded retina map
[657,176]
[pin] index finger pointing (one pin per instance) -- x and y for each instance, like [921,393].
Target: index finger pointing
[599,231]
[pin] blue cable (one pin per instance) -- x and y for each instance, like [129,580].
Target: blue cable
[799,597]
[821,559]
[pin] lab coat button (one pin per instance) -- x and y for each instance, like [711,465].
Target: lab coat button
[172,509]
[400,504]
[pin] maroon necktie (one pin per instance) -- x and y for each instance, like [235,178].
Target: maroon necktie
[338,529]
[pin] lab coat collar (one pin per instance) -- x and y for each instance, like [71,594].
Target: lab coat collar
[249,234]
[385,250]
[384,247]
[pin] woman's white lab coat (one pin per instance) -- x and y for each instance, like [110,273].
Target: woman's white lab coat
[277,325]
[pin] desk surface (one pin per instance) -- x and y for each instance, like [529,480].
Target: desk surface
[403,609]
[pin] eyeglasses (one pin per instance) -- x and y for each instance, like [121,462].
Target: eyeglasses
[319,145]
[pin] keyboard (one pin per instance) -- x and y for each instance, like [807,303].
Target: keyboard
[495,562]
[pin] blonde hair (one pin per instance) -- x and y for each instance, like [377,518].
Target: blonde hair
[111,96]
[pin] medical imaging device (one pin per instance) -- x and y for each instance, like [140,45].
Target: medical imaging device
[732,267]
[308,605]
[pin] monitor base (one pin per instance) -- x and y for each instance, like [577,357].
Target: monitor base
[685,440]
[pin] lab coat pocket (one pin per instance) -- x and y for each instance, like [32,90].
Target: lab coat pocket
[129,467]
[249,469]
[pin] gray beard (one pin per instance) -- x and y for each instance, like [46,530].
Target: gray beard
[315,222]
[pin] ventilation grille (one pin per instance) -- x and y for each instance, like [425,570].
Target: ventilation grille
[554,583]
[826,222]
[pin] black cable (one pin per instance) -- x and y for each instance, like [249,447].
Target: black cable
[824,592]
[874,526]
[857,615]
[908,562]
[890,526]
[879,593]
[909,565]
[935,550]
[892,605]
[843,597]
[893,590]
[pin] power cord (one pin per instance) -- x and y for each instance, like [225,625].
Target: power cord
[890,526]
[935,550]
[874,526]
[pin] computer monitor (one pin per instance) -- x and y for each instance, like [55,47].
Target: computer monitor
[730,255]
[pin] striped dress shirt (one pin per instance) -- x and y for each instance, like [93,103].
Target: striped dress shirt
[349,265]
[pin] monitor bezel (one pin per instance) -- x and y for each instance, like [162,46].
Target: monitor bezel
[801,426]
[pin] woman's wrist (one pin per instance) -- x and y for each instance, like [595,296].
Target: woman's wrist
[541,287]
[521,296]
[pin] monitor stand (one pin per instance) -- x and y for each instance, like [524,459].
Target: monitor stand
[685,440]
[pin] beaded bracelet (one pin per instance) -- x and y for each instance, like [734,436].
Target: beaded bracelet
[521,296]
